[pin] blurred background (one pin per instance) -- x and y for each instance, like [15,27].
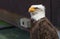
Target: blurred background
[21,7]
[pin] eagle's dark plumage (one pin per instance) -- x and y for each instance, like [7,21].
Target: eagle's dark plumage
[43,29]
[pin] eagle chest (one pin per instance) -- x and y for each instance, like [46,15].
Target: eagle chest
[43,29]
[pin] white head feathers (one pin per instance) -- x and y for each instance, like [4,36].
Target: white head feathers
[39,6]
[37,12]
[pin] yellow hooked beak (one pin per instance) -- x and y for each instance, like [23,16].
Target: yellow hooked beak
[31,9]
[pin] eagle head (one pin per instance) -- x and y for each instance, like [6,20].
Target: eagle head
[37,12]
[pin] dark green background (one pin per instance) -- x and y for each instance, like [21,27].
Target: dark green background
[12,33]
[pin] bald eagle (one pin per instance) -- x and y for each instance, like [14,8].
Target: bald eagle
[41,28]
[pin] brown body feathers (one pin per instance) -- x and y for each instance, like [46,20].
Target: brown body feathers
[43,29]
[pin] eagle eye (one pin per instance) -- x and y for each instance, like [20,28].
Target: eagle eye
[36,8]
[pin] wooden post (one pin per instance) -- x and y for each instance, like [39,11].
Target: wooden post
[14,19]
